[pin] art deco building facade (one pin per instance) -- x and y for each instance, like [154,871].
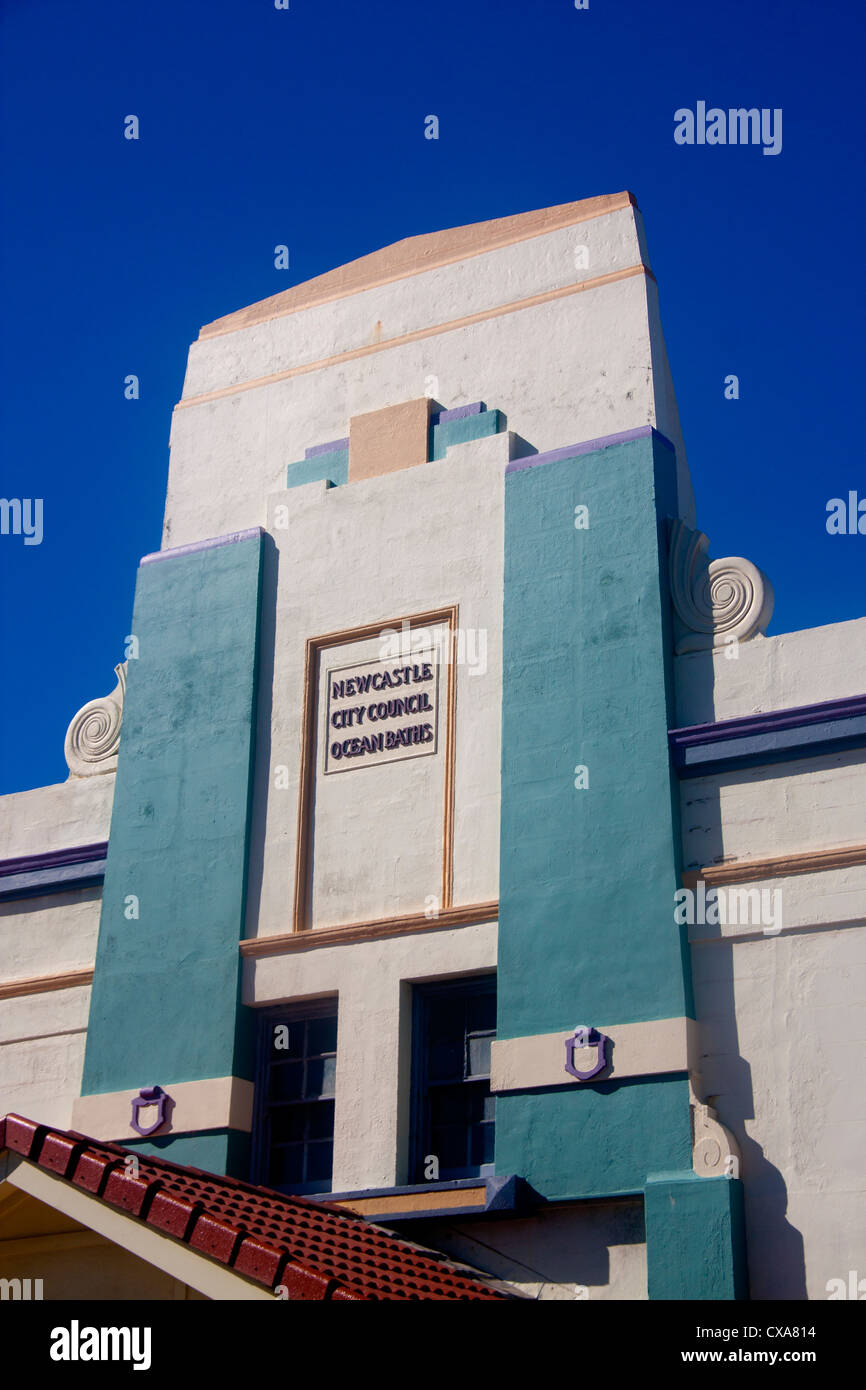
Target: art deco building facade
[470,857]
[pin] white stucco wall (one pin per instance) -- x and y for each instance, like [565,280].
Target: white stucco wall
[42,1035]
[573,368]
[440,526]
[594,1252]
[783,1013]
[783,808]
[500,276]
[784,1027]
[48,935]
[770,673]
[75,812]
[42,1039]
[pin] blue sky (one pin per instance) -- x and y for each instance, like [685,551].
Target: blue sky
[306,127]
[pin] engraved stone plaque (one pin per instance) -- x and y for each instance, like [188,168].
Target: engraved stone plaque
[381,712]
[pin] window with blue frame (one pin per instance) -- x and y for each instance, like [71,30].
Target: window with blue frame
[294,1132]
[453,1109]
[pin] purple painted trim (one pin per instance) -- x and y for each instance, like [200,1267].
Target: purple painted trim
[459,412]
[334,447]
[589,446]
[851,708]
[252,533]
[41,882]
[503,1193]
[149,1095]
[834,726]
[594,1039]
[54,859]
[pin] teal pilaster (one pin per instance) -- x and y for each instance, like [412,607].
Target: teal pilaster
[695,1238]
[590,834]
[165,1005]
[594,1141]
[588,876]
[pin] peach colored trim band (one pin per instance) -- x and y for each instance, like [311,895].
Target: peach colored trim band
[441,1199]
[43,984]
[220,1102]
[473,915]
[414,255]
[810,861]
[418,334]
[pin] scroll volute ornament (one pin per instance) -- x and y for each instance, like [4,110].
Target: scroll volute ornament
[93,737]
[715,601]
[715,1151]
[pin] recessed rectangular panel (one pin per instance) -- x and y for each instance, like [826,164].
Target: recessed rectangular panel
[378,776]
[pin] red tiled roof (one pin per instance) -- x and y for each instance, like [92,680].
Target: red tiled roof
[316,1250]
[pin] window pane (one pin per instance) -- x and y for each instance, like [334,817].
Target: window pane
[476,1095]
[286,1166]
[315,1076]
[289,1124]
[445,1060]
[321,1120]
[286,1039]
[447,1020]
[321,1036]
[320,1161]
[449,1106]
[329,1076]
[286,1081]
[481,1015]
[479,1056]
[449,1144]
[482,1144]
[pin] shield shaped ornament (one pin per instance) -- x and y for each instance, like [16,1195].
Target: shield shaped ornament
[580,1040]
[149,1097]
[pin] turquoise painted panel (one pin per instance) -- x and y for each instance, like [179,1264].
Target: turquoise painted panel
[462,430]
[212,1150]
[587,882]
[594,1141]
[695,1233]
[332,468]
[165,1004]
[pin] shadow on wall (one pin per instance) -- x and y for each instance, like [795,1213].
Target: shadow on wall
[561,1252]
[263,783]
[775,1249]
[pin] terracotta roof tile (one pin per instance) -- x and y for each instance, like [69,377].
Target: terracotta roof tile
[315,1249]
